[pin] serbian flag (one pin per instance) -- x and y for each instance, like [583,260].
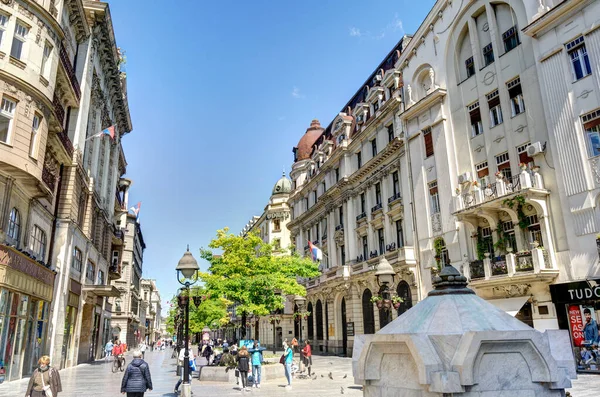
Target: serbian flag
[136,209]
[316,253]
[110,131]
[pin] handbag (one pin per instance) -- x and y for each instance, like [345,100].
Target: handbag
[237,373]
[282,359]
[47,389]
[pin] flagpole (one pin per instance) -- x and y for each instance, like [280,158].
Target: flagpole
[322,253]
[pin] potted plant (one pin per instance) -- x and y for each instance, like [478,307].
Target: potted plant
[378,300]
[475,185]
[499,175]
[397,301]
[523,166]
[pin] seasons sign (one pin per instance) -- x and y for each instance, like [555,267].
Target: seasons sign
[575,292]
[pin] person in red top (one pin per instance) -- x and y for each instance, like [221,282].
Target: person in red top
[118,349]
[307,355]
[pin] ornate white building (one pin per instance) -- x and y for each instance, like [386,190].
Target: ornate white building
[486,183]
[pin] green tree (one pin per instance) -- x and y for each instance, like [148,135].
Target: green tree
[248,273]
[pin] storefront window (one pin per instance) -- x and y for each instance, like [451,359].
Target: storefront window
[70,317]
[578,310]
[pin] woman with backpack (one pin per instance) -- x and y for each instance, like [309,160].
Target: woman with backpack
[243,360]
[136,379]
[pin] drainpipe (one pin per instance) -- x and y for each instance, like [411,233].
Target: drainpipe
[411,188]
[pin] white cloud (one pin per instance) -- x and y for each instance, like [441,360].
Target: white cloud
[296,93]
[355,32]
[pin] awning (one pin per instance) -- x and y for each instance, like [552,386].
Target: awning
[510,305]
[102,290]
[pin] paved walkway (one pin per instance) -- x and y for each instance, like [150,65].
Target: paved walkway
[90,380]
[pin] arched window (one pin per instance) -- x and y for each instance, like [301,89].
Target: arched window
[38,242]
[403,291]
[14,225]
[319,320]
[310,322]
[368,313]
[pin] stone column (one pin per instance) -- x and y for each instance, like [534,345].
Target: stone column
[331,244]
[349,233]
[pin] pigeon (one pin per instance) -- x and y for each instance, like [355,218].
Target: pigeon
[330,376]
[322,376]
[342,391]
[314,376]
[345,376]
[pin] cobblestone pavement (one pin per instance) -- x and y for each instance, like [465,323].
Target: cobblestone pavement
[96,379]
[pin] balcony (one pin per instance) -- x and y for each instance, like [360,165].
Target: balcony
[494,194]
[397,197]
[70,72]
[376,208]
[526,266]
[48,179]
[114,271]
[361,216]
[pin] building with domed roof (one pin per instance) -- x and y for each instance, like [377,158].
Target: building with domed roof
[272,228]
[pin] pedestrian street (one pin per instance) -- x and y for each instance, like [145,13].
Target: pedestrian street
[96,379]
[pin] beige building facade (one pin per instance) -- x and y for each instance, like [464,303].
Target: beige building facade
[448,154]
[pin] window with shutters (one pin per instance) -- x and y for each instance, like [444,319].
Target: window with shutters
[434,198]
[428,140]
[470,66]
[503,165]
[523,156]
[515,93]
[488,54]
[591,126]
[482,173]
[475,116]
[495,109]
[580,62]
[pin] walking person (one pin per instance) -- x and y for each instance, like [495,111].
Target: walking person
[257,359]
[108,348]
[307,355]
[287,358]
[142,348]
[45,380]
[136,379]
[192,359]
[243,360]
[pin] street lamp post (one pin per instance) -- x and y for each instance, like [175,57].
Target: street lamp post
[300,301]
[385,278]
[275,320]
[187,275]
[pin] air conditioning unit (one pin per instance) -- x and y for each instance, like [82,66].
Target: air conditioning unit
[535,148]
[464,177]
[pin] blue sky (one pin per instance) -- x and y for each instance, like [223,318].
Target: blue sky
[220,93]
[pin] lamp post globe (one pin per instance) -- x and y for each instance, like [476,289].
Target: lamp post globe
[385,273]
[188,265]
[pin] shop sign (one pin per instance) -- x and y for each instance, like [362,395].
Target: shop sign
[576,323]
[577,291]
[25,265]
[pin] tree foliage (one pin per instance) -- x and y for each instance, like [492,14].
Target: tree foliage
[250,273]
[212,312]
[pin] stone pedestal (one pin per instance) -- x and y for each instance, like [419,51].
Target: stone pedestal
[454,343]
